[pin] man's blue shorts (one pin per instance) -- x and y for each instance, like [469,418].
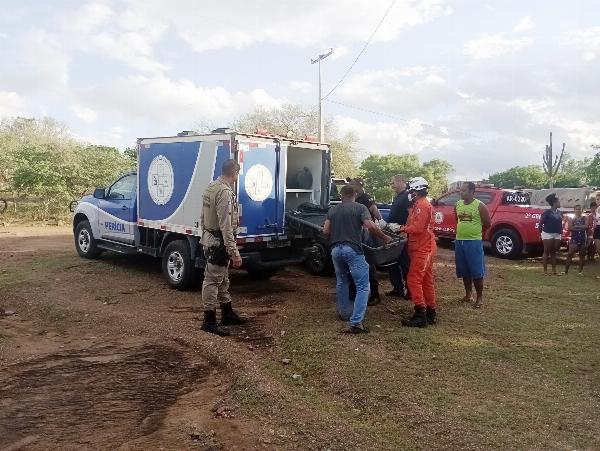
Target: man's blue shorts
[470,261]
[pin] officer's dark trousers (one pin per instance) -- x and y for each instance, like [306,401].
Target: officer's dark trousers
[373,283]
[399,271]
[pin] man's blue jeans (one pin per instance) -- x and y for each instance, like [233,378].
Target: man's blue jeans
[347,260]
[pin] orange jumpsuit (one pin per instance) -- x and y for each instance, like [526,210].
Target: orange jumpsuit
[422,250]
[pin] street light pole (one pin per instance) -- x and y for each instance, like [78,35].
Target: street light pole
[321,127]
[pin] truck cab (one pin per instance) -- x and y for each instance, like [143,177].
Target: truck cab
[156,209]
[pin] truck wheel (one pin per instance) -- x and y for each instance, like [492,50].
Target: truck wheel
[319,262]
[261,274]
[506,243]
[85,242]
[178,267]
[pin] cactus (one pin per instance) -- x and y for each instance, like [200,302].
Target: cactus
[551,166]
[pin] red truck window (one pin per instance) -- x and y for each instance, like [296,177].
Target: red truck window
[485,197]
[449,200]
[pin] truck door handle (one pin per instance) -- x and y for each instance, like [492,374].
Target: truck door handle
[124,207]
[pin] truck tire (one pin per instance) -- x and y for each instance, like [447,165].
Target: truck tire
[178,268]
[319,262]
[261,274]
[85,243]
[506,243]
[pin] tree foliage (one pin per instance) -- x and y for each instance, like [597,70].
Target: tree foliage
[296,121]
[41,162]
[378,170]
[572,173]
[531,176]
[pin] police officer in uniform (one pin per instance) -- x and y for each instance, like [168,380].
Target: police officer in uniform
[219,223]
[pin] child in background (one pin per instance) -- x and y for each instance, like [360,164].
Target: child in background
[578,227]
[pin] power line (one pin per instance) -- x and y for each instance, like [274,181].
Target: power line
[361,52]
[444,130]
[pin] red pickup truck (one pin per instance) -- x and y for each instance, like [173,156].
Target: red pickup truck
[515,224]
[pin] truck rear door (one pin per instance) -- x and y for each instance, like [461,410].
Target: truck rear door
[261,188]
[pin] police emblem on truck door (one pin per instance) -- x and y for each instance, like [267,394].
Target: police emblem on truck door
[161,180]
[258,182]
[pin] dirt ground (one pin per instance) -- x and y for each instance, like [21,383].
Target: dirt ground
[101,354]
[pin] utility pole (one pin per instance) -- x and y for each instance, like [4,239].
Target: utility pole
[318,60]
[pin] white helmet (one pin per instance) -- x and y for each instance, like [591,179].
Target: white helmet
[417,184]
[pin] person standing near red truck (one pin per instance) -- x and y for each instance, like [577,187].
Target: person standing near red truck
[551,226]
[472,218]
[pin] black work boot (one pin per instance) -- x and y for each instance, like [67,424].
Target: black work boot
[430,313]
[229,317]
[210,324]
[374,299]
[419,318]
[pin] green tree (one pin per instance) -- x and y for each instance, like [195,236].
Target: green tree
[572,173]
[532,176]
[378,170]
[39,173]
[131,154]
[43,165]
[436,172]
[592,170]
[292,120]
[343,156]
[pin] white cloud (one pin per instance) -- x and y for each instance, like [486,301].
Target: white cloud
[39,64]
[391,137]
[43,52]
[128,37]
[339,52]
[525,24]
[11,104]
[303,87]
[492,46]
[88,17]
[173,103]
[402,91]
[84,113]
[239,23]
[586,42]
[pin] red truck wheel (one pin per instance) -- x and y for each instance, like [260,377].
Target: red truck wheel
[506,243]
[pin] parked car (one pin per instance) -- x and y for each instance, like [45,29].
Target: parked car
[515,224]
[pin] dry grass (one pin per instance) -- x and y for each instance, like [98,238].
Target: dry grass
[523,373]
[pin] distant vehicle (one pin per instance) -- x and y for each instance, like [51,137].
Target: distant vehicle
[515,224]
[156,209]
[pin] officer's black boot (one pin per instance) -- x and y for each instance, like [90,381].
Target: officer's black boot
[430,313]
[229,317]
[210,324]
[419,318]
[374,298]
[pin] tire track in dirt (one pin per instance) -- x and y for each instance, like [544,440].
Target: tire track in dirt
[95,398]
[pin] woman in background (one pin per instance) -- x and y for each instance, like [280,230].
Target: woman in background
[578,226]
[551,226]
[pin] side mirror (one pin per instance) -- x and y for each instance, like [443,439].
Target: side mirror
[100,193]
[434,202]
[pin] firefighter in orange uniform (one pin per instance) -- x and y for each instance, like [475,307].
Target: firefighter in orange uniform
[422,250]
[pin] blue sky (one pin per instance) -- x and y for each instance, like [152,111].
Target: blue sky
[480,84]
